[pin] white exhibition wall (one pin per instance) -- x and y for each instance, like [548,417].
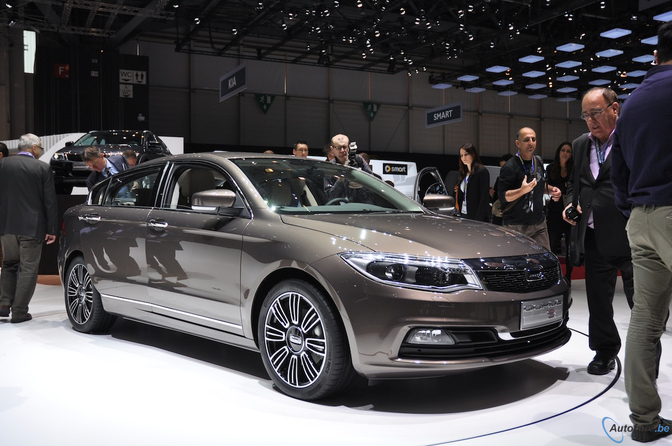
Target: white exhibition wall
[314,103]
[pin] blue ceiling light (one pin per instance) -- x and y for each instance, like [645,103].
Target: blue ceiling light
[644,59]
[441,86]
[467,78]
[497,69]
[507,93]
[502,82]
[536,86]
[568,78]
[533,73]
[629,86]
[599,82]
[531,59]
[609,53]
[475,90]
[651,40]
[570,47]
[538,96]
[568,64]
[637,73]
[566,90]
[624,96]
[604,69]
[616,33]
[664,17]
[566,99]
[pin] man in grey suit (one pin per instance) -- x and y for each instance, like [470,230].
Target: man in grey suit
[28,218]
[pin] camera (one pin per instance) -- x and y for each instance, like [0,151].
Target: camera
[352,153]
[572,213]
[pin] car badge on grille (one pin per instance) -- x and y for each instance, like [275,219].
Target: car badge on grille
[533,276]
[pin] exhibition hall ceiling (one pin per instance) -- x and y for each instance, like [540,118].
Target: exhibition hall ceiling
[540,48]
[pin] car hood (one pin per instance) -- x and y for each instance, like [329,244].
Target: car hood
[102,147]
[420,234]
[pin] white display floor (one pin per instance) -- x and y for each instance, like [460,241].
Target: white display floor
[142,385]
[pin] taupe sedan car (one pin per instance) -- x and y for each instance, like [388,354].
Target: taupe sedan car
[324,269]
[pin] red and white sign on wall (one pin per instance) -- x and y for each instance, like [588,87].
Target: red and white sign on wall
[62,70]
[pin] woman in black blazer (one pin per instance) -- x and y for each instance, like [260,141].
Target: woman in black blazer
[473,197]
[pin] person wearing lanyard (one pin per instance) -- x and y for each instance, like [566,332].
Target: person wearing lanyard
[28,220]
[601,228]
[521,188]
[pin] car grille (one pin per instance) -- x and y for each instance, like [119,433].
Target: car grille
[74,157]
[517,281]
[518,274]
[522,343]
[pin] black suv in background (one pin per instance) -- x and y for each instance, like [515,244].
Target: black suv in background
[69,169]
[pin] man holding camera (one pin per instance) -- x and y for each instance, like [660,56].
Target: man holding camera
[521,188]
[346,153]
[601,236]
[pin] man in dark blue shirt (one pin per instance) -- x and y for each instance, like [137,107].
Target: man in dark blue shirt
[641,166]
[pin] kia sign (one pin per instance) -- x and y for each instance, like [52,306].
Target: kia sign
[232,83]
[446,114]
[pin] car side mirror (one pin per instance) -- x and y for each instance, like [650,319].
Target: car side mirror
[441,204]
[69,143]
[215,200]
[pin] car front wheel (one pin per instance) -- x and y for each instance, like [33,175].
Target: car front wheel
[303,346]
[82,300]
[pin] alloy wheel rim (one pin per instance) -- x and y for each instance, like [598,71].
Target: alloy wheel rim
[80,294]
[295,340]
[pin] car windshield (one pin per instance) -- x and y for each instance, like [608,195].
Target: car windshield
[127,137]
[294,185]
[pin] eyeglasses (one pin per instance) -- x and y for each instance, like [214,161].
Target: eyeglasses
[595,113]
[39,147]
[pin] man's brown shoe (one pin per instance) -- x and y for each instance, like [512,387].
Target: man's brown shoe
[4,310]
[24,318]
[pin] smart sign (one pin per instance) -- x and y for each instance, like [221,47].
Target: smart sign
[446,114]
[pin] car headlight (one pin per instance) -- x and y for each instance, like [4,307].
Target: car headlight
[58,156]
[427,273]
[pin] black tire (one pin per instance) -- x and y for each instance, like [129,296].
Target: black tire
[82,300]
[303,346]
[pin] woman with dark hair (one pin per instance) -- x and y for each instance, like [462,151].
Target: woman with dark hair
[473,189]
[559,172]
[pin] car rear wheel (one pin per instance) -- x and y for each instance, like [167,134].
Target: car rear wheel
[303,346]
[82,300]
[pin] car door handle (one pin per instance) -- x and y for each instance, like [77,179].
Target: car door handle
[157,224]
[90,218]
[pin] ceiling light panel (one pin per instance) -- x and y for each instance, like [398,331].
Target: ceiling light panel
[609,53]
[568,64]
[568,78]
[651,40]
[475,90]
[637,73]
[538,96]
[615,33]
[467,78]
[644,59]
[566,90]
[497,69]
[502,82]
[536,86]
[531,59]
[664,17]
[533,73]
[570,47]
[599,82]
[441,86]
[604,69]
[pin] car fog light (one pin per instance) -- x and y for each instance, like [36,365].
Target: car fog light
[432,336]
